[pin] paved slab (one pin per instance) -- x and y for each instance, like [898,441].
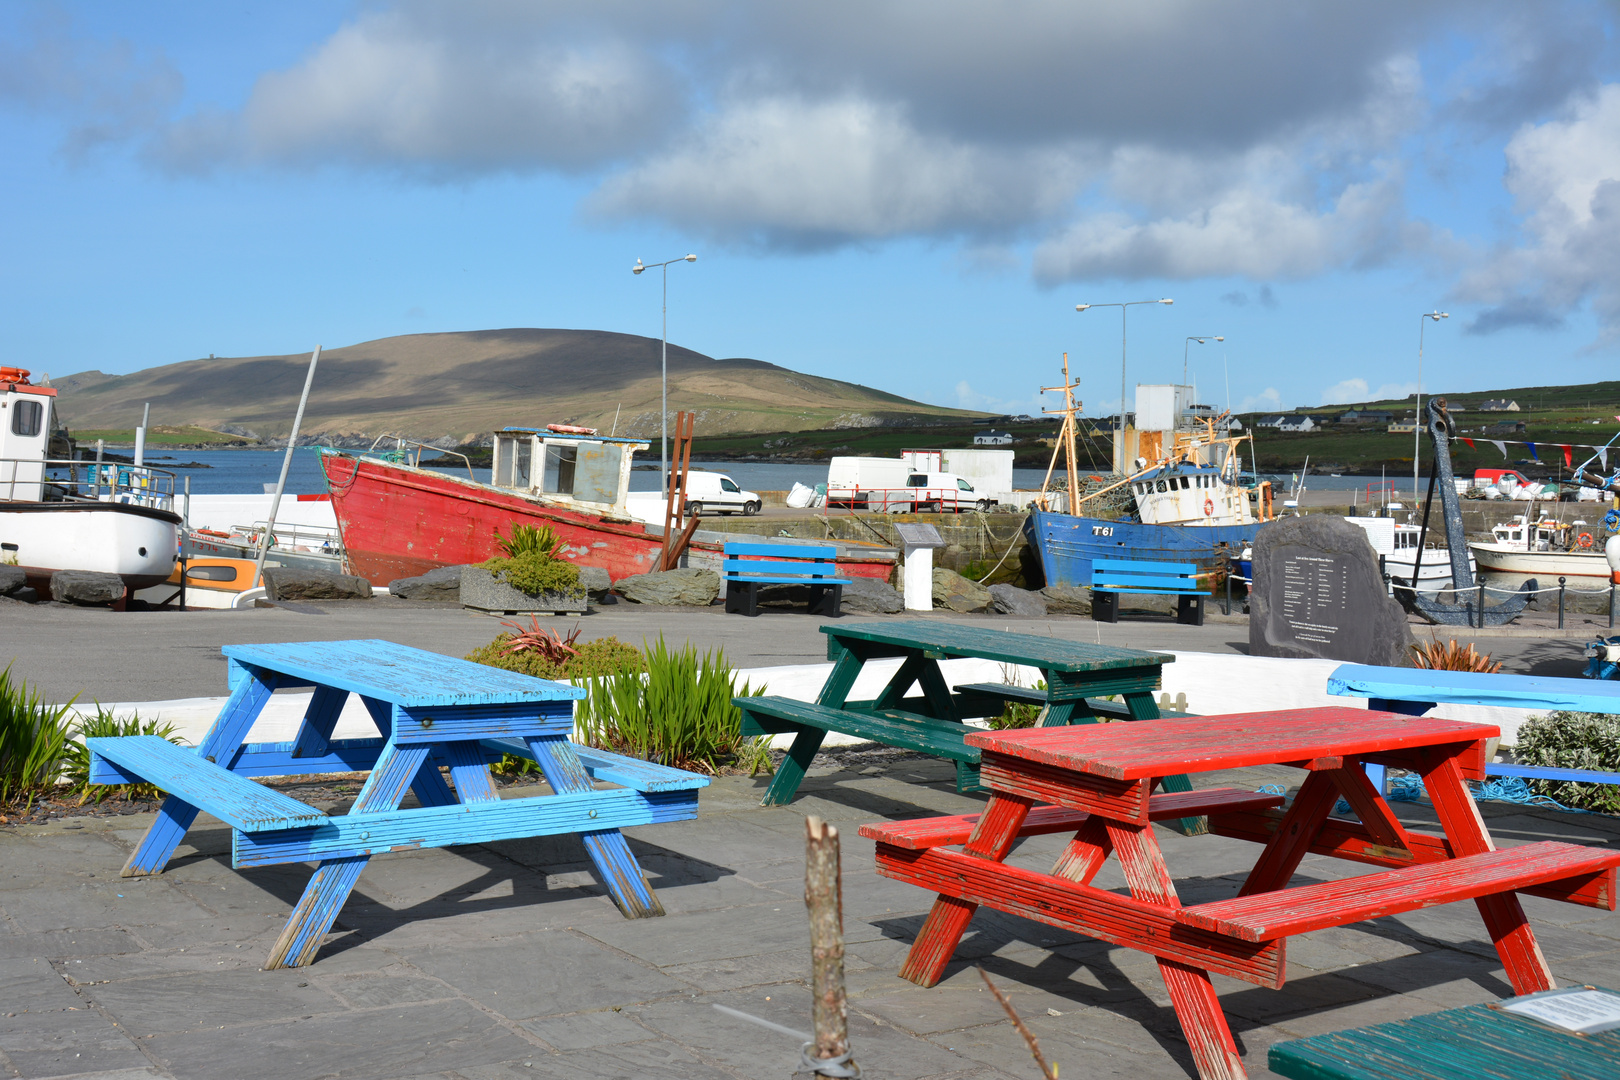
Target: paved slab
[506,960]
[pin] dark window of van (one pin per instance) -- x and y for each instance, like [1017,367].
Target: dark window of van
[727,485]
[917,480]
[27,417]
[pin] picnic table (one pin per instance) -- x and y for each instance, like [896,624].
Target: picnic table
[1098,782]
[1076,674]
[432,711]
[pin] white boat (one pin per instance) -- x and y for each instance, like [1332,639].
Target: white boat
[1397,545]
[1544,548]
[74,515]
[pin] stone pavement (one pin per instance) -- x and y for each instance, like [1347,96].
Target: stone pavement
[506,961]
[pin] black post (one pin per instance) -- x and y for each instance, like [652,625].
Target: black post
[1560,603]
[1423,533]
[1480,603]
[1611,602]
[1229,589]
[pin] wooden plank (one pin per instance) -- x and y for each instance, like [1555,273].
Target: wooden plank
[1283,912]
[1209,743]
[941,738]
[399,674]
[1118,800]
[1284,851]
[608,767]
[784,579]
[1350,840]
[949,640]
[504,720]
[782,551]
[945,831]
[1474,688]
[476,823]
[1144,566]
[240,803]
[325,705]
[1119,920]
[315,912]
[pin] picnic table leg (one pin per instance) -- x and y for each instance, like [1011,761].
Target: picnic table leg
[218,746]
[1504,917]
[1191,992]
[992,839]
[429,786]
[1294,834]
[334,879]
[315,732]
[790,772]
[1085,853]
[610,852]
[1143,706]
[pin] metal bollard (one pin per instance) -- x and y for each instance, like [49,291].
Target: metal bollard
[1479,605]
[1560,603]
[1611,603]
[1229,593]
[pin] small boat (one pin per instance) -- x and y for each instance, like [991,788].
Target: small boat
[65,514]
[210,583]
[1397,545]
[1544,547]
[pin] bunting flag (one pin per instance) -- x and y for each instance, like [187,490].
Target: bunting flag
[1533,455]
[1502,446]
[1567,461]
[1603,456]
[1470,443]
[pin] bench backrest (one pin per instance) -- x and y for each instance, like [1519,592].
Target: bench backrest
[809,561]
[1475,688]
[1140,575]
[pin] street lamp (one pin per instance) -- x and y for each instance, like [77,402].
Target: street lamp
[1417,428]
[1187,346]
[663,363]
[1119,442]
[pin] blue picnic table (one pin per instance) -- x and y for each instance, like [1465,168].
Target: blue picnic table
[432,711]
[1415,691]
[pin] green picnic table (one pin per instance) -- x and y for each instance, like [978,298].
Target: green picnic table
[1077,674]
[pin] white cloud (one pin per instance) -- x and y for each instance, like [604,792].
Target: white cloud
[1267,400]
[969,398]
[1348,391]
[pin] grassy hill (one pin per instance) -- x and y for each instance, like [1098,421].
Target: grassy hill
[465,385]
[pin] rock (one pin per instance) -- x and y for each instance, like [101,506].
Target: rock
[12,578]
[598,586]
[440,583]
[688,588]
[481,591]
[869,596]
[1318,593]
[86,588]
[292,583]
[1066,600]
[1011,600]
[953,591]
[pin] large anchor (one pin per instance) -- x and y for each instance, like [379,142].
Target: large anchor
[1467,610]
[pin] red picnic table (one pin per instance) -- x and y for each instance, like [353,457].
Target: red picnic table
[1098,781]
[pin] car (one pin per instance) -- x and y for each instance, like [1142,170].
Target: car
[718,493]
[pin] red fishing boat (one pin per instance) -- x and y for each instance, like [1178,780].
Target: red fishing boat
[400,520]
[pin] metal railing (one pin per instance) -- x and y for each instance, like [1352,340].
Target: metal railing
[404,448]
[903,499]
[52,480]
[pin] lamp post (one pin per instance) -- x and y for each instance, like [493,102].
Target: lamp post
[1187,346]
[663,365]
[1119,441]
[1418,425]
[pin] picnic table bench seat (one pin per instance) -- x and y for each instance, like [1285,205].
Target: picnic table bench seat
[748,566]
[1111,578]
[237,801]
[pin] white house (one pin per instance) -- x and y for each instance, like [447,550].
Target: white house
[1499,405]
[992,438]
[1296,423]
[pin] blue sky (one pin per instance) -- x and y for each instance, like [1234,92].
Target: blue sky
[913,197]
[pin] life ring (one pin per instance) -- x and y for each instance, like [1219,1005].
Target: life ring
[1584,540]
[14,375]
[1209,506]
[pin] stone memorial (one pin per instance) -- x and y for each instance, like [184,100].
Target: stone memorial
[1318,593]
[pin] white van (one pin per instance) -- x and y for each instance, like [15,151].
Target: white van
[943,493]
[718,493]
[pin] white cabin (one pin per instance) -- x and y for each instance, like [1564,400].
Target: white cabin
[25,433]
[589,472]
[1188,494]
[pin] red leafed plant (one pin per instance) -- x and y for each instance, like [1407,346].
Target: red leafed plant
[541,640]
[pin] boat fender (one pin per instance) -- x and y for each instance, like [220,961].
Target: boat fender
[1209,506]
[570,429]
[1585,540]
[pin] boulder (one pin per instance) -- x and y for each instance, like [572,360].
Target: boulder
[292,583]
[1011,600]
[86,588]
[953,591]
[440,583]
[12,578]
[480,590]
[685,588]
[869,596]
[1067,600]
[598,586]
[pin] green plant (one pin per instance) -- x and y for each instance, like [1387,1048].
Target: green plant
[680,713]
[538,540]
[1452,657]
[536,574]
[76,755]
[1573,740]
[604,656]
[33,739]
[1017,714]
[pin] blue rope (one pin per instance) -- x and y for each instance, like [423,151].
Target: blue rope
[1408,787]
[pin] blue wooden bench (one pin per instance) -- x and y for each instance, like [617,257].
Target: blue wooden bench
[1415,691]
[433,711]
[1111,578]
[748,566]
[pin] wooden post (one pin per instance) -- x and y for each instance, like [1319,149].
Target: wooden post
[823,895]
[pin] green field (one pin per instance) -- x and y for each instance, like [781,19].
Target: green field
[163,436]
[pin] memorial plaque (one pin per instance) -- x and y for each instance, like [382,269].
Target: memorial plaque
[919,536]
[1318,593]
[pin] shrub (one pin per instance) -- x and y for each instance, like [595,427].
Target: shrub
[604,656]
[76,756]
[1017,714]
[33,740]
[1573,740]
[680,713]
[538,540]
[1452,657]
[536,574]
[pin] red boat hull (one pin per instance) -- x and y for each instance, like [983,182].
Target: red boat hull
[398,521]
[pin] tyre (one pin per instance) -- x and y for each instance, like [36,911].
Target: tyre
[982,506]
[750,509]
[694,509]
